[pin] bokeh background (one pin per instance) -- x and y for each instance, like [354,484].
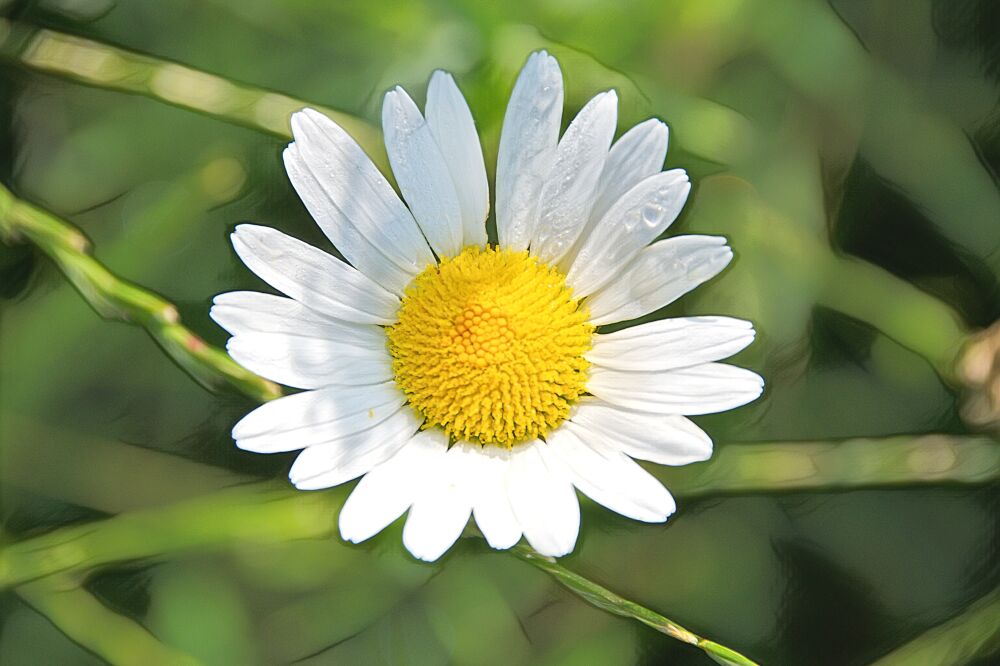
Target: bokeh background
[847,150]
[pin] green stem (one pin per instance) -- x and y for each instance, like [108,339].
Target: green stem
[911,317]
[973,635]
[114,298]
[85,620]
[826,466]
[608,601]
[258,513]
[102,66]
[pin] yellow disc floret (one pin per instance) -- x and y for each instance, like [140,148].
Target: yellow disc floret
[489,345]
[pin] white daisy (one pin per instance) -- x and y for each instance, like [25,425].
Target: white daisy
[461,378]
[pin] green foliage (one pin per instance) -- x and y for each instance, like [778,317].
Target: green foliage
[843,148]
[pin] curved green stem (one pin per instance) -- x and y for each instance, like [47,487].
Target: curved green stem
[257,513]
[606,600]
[911,317]
[114,298]
[102,66]
[85,620]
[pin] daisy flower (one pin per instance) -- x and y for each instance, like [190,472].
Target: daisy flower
[462,377]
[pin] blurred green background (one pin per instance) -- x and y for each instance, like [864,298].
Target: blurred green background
[812,130]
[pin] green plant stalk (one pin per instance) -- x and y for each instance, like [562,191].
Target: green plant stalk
[102,66]
[882,462]
[257,513]
[114,298]
[608,601]
[972,635]
[902,311]
[85,620]
[911,317]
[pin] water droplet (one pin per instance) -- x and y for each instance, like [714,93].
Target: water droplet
[651,214]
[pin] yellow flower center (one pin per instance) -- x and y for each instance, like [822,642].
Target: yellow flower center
[489,345]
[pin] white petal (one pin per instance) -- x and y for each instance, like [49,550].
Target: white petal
[611,478]
[350,242]
[483,470]
[454,130]
[309,363]
[659,275]
[700,389]
[639,216]
[490,505]
[441,512]
[665,439]
[313,417]
[358,196]
[421,172]
[671,343]
[571,186]
[313,277]
[334,463]
[388,490]
[241,312]
[527,148]
[637,155]
[543,500]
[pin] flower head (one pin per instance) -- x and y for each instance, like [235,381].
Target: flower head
[459,377]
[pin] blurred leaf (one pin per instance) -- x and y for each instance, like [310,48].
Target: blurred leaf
[200,611]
